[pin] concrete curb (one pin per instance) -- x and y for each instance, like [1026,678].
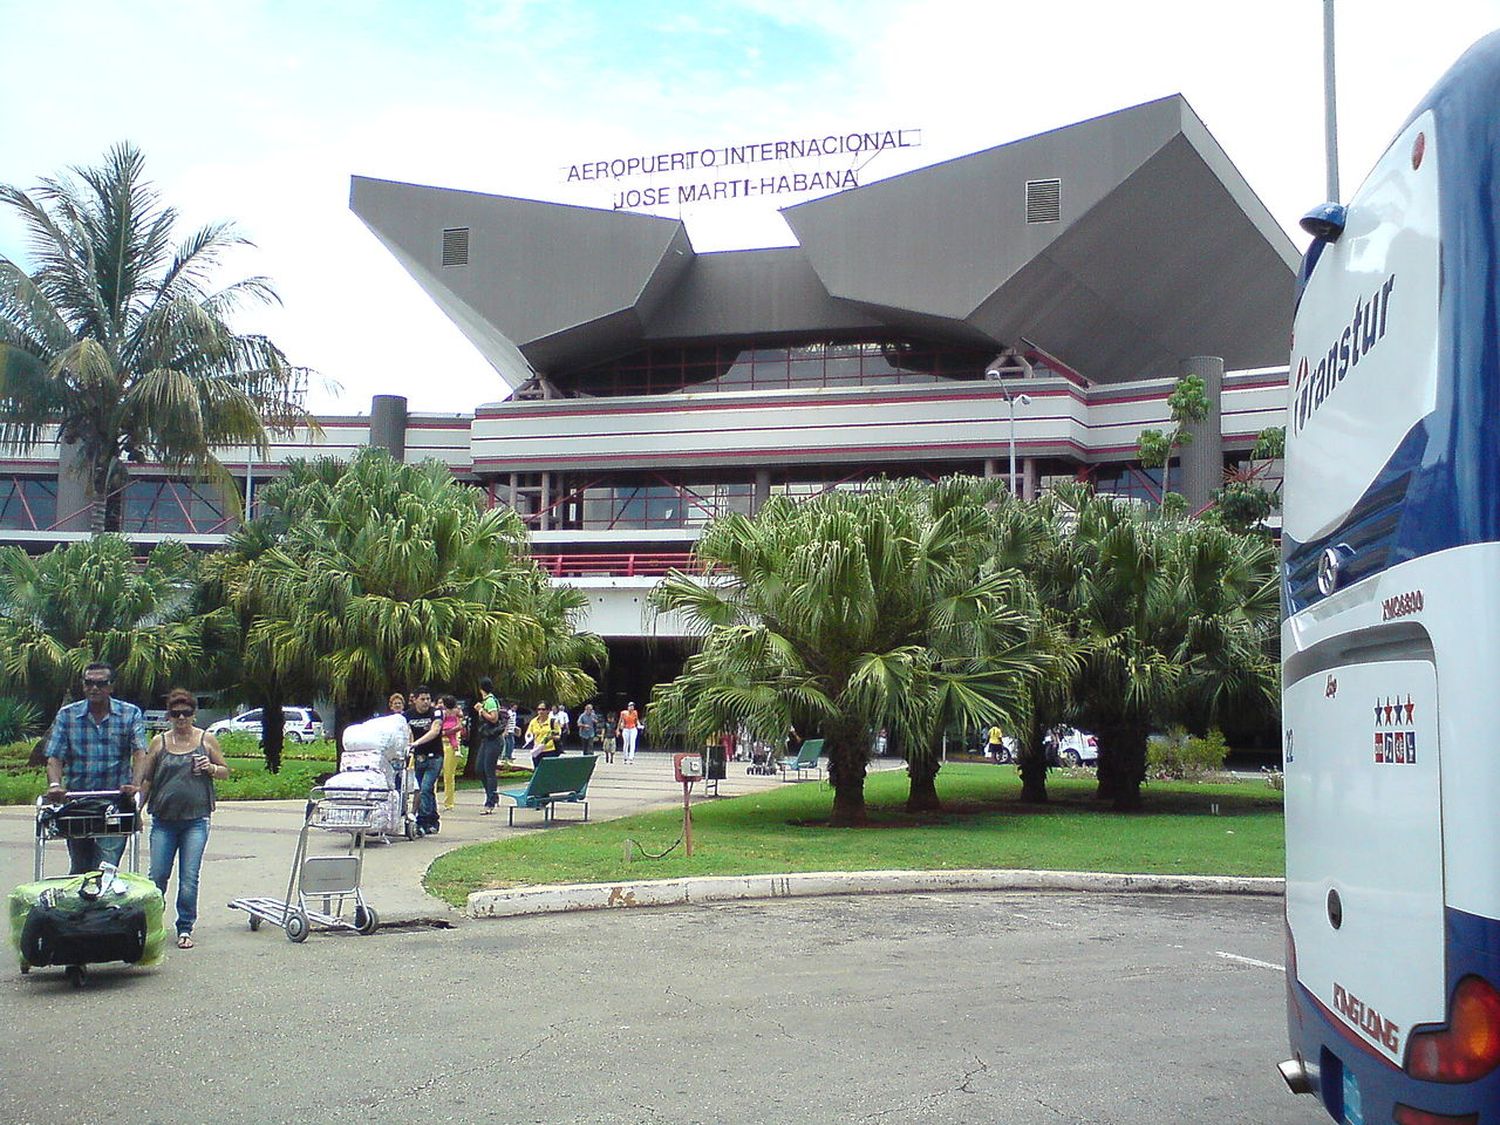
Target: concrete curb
[733,888]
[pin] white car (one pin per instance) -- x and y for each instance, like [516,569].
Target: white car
[1065,747]
[1073,747]
[302,724]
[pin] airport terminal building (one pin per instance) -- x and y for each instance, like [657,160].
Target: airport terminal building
[648,387]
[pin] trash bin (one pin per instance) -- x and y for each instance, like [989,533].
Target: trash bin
[714,766]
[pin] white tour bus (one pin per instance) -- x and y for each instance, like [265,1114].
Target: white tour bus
[1391,629]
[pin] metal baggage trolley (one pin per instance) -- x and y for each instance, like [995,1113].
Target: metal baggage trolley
[104,814]
[332,881]
[93,814]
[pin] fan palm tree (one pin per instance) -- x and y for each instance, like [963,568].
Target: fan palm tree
[118,344]
[384,573]
[852,612]
[1172,618]
[91,601]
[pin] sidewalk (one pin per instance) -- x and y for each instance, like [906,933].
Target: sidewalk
[250,848]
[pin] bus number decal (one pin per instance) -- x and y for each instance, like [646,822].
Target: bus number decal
[1401,605]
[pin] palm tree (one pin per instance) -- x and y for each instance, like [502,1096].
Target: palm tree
[384,573]
[92,600]
[1173,620]
[119,344]
[1030,538]
[852,612]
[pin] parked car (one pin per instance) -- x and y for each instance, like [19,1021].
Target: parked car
[1072,747]
[302,724]
[1065,746]
[1009,749]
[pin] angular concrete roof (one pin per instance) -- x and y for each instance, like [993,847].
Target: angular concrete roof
[1160,251]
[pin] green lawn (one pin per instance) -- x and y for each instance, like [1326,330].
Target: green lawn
[983,827]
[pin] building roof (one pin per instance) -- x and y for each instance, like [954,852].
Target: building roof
[1159,250]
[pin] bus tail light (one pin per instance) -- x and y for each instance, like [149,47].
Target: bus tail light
[1469,1047]
[1405,1115]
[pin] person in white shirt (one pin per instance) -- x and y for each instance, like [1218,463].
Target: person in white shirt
[560,722]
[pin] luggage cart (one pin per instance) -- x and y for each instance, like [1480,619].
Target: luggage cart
[102,814]
[330,880]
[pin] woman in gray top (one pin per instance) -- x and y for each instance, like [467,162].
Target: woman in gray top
[177,783]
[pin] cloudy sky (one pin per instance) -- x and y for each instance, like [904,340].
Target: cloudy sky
[260,110]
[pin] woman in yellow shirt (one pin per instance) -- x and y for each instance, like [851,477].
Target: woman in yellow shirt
[541,736]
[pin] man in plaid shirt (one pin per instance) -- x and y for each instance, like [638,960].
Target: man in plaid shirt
[97,743]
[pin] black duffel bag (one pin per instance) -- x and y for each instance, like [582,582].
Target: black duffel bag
[99,932]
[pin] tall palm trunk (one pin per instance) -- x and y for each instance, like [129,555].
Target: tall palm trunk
[847,757]
[922,767]
[272,728]
[106,483]
[1122,763]
[1033,764]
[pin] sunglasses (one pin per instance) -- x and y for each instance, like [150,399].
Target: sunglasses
[180,714]
[100,684]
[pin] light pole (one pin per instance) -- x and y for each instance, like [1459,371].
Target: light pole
[995,373]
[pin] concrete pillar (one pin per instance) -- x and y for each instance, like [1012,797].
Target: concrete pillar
[762,491]
[1030,478]
[72,489]
[544,523]
[388,424]
[991,468]
[1202,462]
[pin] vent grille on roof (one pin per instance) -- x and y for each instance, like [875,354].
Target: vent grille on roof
[456,246]
[1043,201]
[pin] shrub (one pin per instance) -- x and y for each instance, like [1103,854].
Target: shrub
[1177,755]
[18,719]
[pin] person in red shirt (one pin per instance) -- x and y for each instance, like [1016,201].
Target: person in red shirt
[630,729]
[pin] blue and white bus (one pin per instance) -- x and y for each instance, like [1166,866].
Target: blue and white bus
[1391,632]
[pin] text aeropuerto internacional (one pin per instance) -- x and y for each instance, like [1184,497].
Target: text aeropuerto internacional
[730,156]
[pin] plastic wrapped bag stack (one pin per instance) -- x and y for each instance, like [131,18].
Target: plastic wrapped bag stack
[56,921]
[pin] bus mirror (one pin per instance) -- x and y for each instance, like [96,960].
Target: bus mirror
[1325,222]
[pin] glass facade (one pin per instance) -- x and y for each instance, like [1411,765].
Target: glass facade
[754,366]
[1133,481]
[28,503]
[173,507]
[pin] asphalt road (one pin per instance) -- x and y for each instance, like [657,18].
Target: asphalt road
[941,1008]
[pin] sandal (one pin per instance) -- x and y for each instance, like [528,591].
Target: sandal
[184,941]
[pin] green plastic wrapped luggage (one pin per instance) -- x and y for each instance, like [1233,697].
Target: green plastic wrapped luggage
[87,920]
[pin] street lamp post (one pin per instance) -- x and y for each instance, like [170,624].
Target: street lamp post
[995,373]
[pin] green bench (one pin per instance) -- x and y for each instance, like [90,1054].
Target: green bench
[554,780]
[806,759]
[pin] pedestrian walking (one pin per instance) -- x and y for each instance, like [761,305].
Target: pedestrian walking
[97,743]
[630,729]
[608,728]
[588,728]
[541,735]
[491,734]
[426,723]
[512,732]
[177,782]
[452,723]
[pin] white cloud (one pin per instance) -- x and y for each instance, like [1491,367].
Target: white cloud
[266,124]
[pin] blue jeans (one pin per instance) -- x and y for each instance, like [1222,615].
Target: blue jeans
[171,839]
[508,746]
[87,854]
[489,753]
[429,769]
